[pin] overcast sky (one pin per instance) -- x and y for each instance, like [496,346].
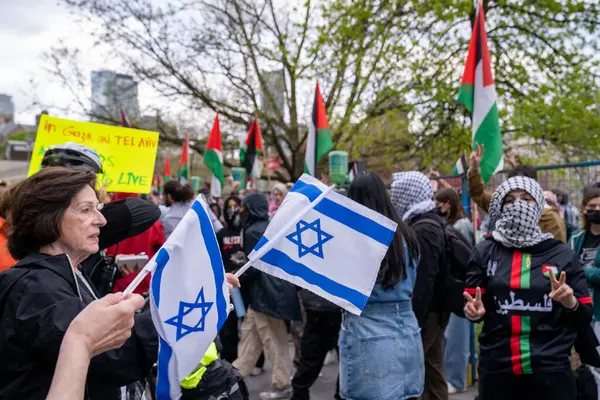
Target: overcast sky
[28,28]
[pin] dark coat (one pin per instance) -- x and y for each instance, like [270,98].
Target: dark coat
[265,293]
[38,301]
[427,295]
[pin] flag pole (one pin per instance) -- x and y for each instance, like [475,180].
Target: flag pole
[149,268]
[263,250]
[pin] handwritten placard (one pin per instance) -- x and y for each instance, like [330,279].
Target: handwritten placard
[127,155]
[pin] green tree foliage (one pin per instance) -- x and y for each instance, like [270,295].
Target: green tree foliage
[389,70]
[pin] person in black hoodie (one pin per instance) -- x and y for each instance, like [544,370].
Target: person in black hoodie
[412,196]
[230,243]
[53,225]
[532,295]
[271,302]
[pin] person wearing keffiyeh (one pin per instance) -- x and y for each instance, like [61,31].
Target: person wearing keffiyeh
[412,196]
[531,293]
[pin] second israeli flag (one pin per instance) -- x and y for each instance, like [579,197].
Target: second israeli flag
[335,249]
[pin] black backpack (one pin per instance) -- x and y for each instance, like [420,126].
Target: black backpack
[456,255]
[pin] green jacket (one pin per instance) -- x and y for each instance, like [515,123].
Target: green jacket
[592,274]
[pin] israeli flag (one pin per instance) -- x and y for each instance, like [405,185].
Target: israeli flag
[189,298]
[326,243]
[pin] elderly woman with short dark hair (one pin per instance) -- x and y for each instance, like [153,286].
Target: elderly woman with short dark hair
[53,225]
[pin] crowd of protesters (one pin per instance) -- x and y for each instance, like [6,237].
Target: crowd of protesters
[68,332]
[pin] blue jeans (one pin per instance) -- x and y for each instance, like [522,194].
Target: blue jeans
[381,353]
[456,352]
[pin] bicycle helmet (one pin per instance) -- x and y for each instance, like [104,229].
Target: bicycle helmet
[72,155]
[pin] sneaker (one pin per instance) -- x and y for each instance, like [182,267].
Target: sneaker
[256,371]
[453,390]
[283,394]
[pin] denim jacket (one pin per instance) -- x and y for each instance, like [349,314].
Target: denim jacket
[381,352]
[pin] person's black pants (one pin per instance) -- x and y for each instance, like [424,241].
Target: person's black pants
[320,335]
[559,385]
[230,337]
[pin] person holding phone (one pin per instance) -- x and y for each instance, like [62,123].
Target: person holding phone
[531,293]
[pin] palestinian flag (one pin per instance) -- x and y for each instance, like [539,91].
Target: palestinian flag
[319,141]
[166,170]
[461,166]
[213,159]
[478,94]
[251,150]
[547,269]
[184,162]
[124,119]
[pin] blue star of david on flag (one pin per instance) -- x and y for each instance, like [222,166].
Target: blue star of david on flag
[186,308]
[317,248]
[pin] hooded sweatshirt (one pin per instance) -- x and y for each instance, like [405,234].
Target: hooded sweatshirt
[265,293]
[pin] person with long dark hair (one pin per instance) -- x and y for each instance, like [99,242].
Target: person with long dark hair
[531,293]
[456,349]
[381,352]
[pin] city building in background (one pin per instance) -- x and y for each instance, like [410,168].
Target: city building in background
[7,109]
[110,92]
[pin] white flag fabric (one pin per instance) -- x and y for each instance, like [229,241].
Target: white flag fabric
[334,250]
[189,298]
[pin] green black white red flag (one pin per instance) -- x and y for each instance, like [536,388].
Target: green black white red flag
[251,150]
[478,94]
[319,141]
[213,159]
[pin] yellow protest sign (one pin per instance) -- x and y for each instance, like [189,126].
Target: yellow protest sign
[127,155]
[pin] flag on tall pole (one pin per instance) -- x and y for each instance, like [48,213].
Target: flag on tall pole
[478,94]
[213,159]
[184,162]
[251,150]
[319,141]
[166,170]
[124,119]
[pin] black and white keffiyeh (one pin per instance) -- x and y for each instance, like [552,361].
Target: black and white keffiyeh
[517,223]
[412,194]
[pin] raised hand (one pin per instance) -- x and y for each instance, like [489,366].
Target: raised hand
[561,292]
[474,308]
[476,156]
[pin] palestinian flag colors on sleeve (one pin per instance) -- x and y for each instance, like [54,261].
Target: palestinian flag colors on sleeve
[319,141]
[213,159]
[251,150]
[183,173]
[478,94]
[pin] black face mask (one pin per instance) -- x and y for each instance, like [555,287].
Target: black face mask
[443,214]
[593,216]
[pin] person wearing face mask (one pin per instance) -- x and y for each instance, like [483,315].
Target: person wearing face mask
[456,349]
[230,244]
[531,293]
[586,243]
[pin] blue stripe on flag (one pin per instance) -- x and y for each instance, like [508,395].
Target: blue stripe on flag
[345,216]
[310,191]
[216,262]
[282,261]
[263,240]
[161,262]
[163,386]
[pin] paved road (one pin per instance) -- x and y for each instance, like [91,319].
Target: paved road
[324,388]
